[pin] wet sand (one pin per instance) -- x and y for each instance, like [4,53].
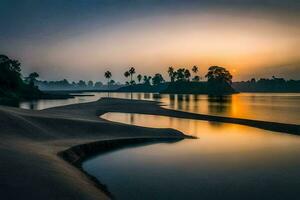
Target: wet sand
[41,151]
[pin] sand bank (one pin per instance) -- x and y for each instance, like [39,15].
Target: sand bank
[30,142]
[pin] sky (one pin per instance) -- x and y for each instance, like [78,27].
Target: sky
[81,39]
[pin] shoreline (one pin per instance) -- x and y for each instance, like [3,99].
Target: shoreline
[31,140]
[76,155]
[44,144]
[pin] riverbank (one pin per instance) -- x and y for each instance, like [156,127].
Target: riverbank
[32,140]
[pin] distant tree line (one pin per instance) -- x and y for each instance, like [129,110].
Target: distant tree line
[273,84]
[181,80]
[80,85]
[219,81]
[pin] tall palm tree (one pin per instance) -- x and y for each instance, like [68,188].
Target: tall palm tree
[127,74]
[131,72]
[171,73]
[195,70]
[107,75]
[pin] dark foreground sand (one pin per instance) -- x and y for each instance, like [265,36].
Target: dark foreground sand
[38,148]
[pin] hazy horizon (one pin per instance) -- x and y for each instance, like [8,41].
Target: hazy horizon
[81,39]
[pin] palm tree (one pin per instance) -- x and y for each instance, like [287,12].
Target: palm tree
[195,70]
[107,75]
[127,74]
[147,80]
[187,74]
[139,77]
[131,72]
[180,74]
[171,73]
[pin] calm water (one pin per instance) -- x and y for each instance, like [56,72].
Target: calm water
[279,107]
[226,162]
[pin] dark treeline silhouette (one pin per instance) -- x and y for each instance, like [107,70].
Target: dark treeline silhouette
[267,85]
[15,88]
[219,81]
[182,81]
[80,85]
[145,83]
[12,86]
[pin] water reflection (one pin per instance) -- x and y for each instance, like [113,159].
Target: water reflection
[205,104]
[227,162]
[268,107]
[220,105]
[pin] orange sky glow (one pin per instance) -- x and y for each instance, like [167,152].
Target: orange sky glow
[248,45]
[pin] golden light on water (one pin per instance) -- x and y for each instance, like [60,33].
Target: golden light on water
[214,138]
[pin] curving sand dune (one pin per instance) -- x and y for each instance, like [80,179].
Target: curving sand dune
[33,142]
[30,141]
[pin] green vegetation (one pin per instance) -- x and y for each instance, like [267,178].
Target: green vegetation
[12,87]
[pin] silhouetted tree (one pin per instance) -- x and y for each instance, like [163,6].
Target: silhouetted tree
[132,82]
[131,72]
[90,84]
[98,84]
[107,75]
[10,76]
[219,80]
[81,84]
[31,79]
[219,75]
[180,74]
[157,79]
[139,77]
[187,74]
[196,78]
[127,74]
[112,82]
[147,80]
[195,69]
[171,74]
